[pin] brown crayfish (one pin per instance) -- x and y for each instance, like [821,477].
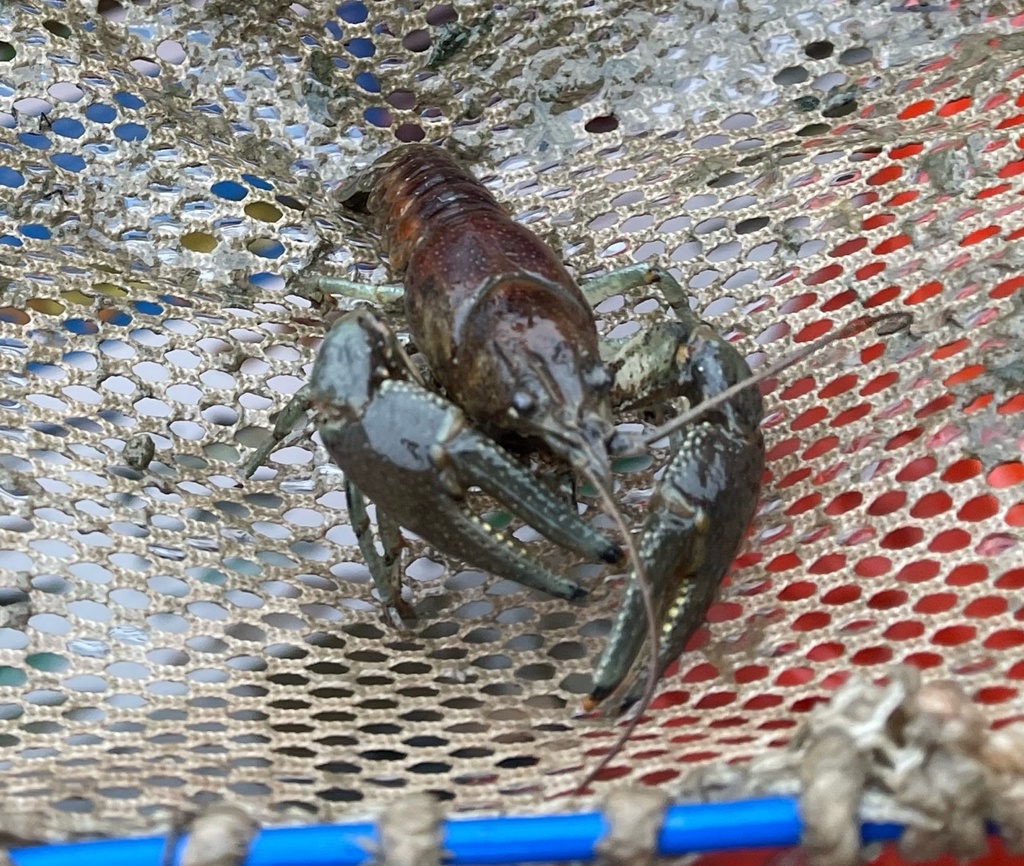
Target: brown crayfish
[512,345]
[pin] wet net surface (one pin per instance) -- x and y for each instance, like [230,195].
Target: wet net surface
[170,636]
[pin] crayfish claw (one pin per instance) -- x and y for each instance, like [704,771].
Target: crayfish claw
[699,511]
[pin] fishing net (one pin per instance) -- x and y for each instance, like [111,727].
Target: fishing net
[172,636]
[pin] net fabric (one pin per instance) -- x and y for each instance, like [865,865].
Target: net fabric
[171,637]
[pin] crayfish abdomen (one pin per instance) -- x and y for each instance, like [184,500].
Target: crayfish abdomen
[506,331]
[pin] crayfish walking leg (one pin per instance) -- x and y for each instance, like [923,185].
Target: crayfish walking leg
[385,567]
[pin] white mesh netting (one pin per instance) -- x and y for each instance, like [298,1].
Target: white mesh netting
[171,636]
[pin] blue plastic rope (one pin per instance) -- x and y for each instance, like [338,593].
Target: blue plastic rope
[772,822]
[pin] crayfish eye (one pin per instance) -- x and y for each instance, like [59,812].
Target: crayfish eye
[523,402]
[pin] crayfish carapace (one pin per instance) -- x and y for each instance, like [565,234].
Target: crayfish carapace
[512,344]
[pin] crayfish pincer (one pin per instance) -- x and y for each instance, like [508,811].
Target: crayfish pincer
[515,358]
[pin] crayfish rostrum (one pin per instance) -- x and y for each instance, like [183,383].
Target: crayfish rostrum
[512,347]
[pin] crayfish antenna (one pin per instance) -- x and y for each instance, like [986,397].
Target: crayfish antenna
[603,485]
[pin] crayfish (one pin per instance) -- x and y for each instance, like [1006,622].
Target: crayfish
[514,356]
